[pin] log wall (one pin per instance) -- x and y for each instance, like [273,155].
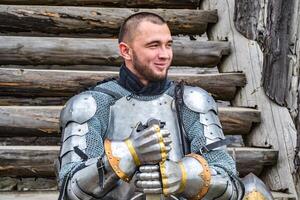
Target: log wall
[277,129]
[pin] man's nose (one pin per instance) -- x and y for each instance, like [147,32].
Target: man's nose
[164,53]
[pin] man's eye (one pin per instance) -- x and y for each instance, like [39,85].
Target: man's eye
[169,45]
[153,46]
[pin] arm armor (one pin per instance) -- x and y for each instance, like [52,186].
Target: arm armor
[221,186]
[91,177]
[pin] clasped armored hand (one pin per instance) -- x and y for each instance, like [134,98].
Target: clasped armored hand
[144,146]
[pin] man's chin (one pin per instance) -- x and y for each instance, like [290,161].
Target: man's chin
[158,78]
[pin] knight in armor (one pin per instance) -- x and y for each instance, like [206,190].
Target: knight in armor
[142,136]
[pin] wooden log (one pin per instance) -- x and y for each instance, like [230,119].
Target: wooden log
[55,83]
[56,140]
[27,184]
[53,195]
[38,161]
[108,3]
[32,101]
[34,141]
[82,51]
[275,40]
[277,128]
[54,101]
[32,195]
[43,120]
[93,21]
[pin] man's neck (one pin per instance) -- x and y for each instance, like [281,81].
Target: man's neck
[131,82]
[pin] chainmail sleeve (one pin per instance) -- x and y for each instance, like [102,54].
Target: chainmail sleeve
[82,150]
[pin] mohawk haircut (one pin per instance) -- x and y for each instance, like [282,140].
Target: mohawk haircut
[130,24]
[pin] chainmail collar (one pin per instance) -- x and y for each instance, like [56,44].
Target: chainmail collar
[130,82]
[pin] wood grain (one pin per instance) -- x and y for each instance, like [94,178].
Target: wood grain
[38,160]
[66,83]
[109,3]
[44,120]
[94,21]
[83,51]
[277,128]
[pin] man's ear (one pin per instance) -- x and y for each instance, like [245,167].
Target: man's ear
[125,51]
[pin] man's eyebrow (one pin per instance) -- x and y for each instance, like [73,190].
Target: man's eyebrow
[157,41]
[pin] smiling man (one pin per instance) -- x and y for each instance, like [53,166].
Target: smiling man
[142,135]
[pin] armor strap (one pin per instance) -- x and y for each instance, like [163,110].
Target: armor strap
[179,88]
[80,153]
[214,145]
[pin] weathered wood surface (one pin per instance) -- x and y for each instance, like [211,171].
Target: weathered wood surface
[44,120]
[35,141]
[83,51]
[277,128]
[38,161]
[38,195]
[53,195]
[274,40]
[45,195]
[173,69]
[55,83]
[56,140]
[275,77]
[109,3]
[93,21]
[32,101]
[246,18]
[27,184]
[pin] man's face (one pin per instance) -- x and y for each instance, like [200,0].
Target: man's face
[151,51]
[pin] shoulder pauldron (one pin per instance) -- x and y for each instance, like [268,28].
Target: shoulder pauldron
[198,100]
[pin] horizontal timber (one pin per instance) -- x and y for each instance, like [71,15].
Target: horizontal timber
[53,195]
[109,3]
[37,160]
[65,83]
[94,21]
[44,120]
[83,51]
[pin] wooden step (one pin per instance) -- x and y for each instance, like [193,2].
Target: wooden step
[84,51]
[37,195]
[53,195]
[37,161]
[66,83]
[28,184]
[109,3]
[44,120]
[56,140]
[93,21]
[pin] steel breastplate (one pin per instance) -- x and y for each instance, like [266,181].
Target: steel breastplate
[127,112]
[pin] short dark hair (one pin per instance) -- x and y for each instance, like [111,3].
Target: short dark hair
[129,25]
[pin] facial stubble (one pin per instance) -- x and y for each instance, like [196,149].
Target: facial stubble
[145,71]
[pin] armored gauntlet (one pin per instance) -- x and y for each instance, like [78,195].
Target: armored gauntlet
[147,146]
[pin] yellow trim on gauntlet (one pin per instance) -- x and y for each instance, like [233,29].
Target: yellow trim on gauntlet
[184,177]
[163,151]
[114,161]
[164,177]
[206,176]
[133,152]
